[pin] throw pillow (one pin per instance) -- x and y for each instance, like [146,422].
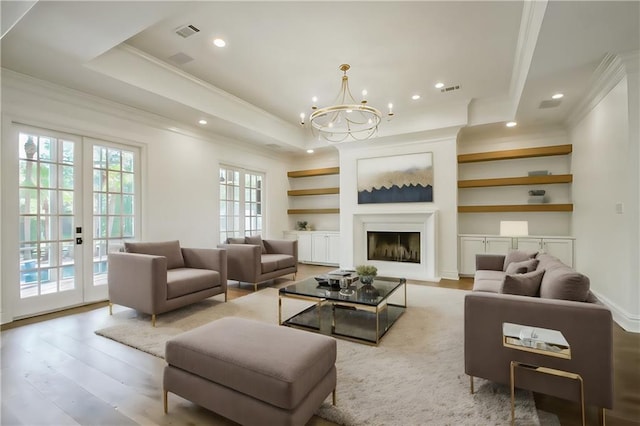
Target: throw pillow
[517,256]
[523,284]
[235,240]
[565,283]
[256,240]
[522,267]
[169,249]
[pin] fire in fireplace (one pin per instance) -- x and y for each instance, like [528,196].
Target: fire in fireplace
[393,246]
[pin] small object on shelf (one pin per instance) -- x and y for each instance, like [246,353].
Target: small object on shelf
[537,192]
[539,173]
[302,225]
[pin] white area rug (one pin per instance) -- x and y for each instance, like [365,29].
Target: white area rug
[414,377]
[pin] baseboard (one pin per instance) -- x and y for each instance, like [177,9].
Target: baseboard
[623,318]
[450,275]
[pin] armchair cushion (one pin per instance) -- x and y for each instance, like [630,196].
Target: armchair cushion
[182,281]
[257,241]
[235,240]
[169,249]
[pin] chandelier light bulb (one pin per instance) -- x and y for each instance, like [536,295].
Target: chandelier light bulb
[439,85]
[302,118]
[310,151]
[219,42]
[203,121]
[557,96]
[511,124]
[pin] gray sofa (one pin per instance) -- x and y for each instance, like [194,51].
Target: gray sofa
[538,291]
[157,277]
[254,260]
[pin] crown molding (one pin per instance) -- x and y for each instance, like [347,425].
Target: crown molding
[85,101]
[607,75]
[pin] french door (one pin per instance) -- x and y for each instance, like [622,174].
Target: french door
[77,202]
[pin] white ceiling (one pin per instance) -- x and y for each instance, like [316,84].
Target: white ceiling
[506,56]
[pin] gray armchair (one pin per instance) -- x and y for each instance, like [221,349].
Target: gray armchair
[253,260]
[154,278]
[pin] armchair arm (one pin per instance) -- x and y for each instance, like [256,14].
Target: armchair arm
[138,281]
[587,327]
[490,262]
[289,247]
[203,258]
[243,262]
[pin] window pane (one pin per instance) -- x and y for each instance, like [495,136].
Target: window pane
[127,183]
[127,225]
[127,161]
[99,157]
[115,203]
[113,159]
[115,182]
[127,204]
[67,177]
[66,227]
[47,175]
[66,198]
[100,227]
[67,152]
[47,149]
[27,176]
[28,201]
[99,203]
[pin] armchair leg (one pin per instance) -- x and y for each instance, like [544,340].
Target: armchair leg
[602,416]
[294,276]
[153,320]
[255,286]
[225,295]
[110,308]
[165,401]
[471,384]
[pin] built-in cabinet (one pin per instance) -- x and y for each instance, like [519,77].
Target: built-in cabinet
[317,247]
[471,245]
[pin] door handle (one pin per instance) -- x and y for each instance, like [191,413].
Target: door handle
[78,240]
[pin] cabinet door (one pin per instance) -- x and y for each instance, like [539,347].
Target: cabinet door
[560,248]
[333,249]
[497,245]
[469,247]
[529,244]
[304,247]
[319,245]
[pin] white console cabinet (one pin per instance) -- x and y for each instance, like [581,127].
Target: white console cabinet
[562,248]
[317,247]
[470,245]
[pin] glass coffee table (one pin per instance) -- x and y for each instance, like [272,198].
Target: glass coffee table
[364,315]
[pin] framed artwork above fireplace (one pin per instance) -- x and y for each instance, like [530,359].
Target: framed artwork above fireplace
[404,178]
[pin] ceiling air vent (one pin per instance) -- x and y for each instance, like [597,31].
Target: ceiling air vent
[549,103]
[180,58]
[450,89]
[187,30]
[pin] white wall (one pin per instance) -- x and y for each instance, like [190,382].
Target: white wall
[180,170]
[540,223]
[605,168]
[442,143]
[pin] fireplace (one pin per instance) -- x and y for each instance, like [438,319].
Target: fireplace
[393,246]
[413,235]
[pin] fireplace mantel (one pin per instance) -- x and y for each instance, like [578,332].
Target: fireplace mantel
[423,222]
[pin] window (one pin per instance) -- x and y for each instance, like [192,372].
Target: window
[241,206]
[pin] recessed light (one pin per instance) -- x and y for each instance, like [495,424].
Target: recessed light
[511,124]
[557,96]
[415,97]
[439,85]
[219,42]
[309,151]
[203,122]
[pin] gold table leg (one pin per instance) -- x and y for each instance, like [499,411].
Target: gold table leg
[545,370]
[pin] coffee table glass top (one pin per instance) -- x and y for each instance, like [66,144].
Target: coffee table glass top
[371,295]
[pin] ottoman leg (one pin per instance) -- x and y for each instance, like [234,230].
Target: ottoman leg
[165,401]
[334,396]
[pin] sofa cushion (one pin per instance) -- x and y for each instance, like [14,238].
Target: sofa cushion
[169,249]
[548,262]
[235,240]
[182,281]
[257,241]
[564,283]
[489,281]
[517,256]
[269,262]
[527,284]
[522,267]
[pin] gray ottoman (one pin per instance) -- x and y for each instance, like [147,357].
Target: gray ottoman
[252,372]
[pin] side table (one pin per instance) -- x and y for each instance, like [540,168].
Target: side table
[540,341]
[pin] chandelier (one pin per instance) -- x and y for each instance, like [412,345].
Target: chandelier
[347,117]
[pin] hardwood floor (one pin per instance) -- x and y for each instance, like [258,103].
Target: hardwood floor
[56,371]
